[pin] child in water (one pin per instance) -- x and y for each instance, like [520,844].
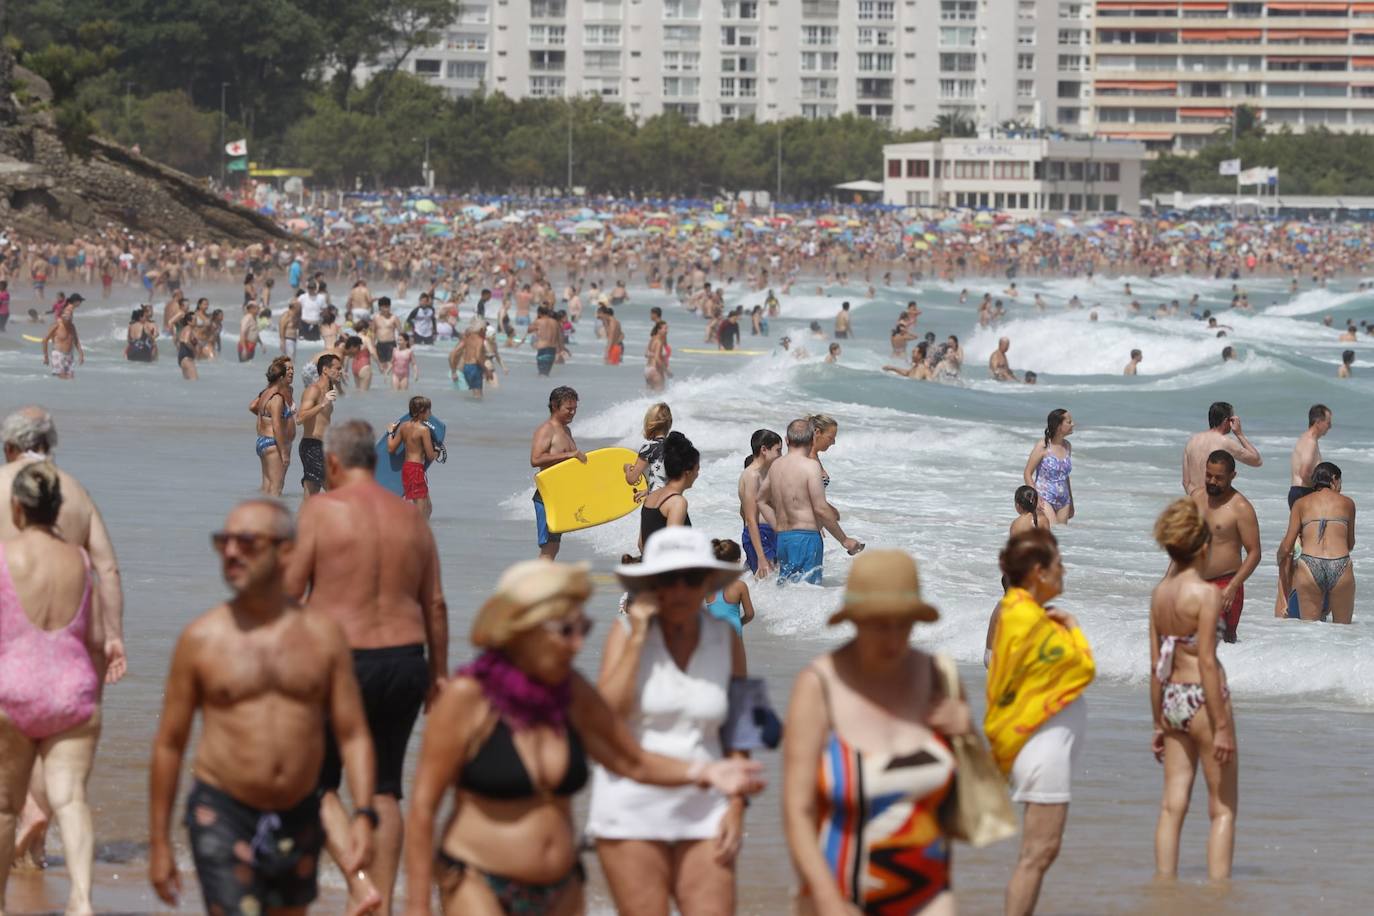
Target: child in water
[732,603]
[403,363]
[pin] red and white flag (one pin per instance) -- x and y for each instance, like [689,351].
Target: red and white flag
[237,148]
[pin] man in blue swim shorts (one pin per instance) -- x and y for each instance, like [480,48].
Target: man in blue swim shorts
[797,496]
[553,443]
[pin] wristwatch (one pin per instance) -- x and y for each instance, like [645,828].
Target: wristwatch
[369,813]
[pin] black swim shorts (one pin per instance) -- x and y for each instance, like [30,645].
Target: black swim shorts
[312,461]
[310,330]
[250,861]
[393,682]
[384,350]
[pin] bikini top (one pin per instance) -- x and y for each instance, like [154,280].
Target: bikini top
[1321,524]
[1168,645]
[498,772]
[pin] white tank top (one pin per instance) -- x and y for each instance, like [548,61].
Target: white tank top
[678,714]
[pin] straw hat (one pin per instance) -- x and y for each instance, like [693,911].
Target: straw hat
[884,584]
[673,549]
[528,594]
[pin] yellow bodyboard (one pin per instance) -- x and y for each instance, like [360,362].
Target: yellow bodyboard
[578,495]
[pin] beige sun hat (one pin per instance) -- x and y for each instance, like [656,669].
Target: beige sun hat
[528,594]
[883,585]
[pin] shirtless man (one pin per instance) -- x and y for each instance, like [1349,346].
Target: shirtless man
[248,332]
[842,325]
[369,562]
[1307,454]
[289,327]
[1234,527]
[64,340]
[253,814]
[359,301]
[317,408]
[1222,419]
[470,355]
[173,310]
[801,509]
[415,437]
[553,443]
[615,337]
[759,537]
[546,333]
[386,326]
[1131,367]
[997,362]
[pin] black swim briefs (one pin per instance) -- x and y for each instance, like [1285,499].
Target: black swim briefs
[312,461]
[384,350]
[248,860]
[393,682]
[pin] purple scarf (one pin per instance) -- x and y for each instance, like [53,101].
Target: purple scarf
[520,699]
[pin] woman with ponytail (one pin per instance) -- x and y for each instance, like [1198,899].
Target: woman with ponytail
[1051,462]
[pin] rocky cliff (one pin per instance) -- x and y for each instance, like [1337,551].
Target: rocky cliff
[48,193]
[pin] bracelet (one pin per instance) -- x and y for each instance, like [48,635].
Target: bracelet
[369,813]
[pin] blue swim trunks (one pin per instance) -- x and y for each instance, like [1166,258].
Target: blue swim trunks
[472,374]
[800,554]
[543,359]
[768,538]
[522,321]
[541,523]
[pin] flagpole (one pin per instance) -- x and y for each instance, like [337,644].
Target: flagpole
[1235,201]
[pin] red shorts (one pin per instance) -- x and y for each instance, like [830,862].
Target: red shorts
[1230,615]
[413,480]
[614,355]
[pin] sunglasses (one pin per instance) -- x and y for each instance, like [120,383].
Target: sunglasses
[251,543]
[689,577]
[567,629]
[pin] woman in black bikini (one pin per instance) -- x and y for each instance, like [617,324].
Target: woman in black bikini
[666,506]
[187,344]
[1325,578]
[142,346]
[512,732]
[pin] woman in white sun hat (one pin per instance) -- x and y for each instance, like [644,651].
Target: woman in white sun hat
[666,670]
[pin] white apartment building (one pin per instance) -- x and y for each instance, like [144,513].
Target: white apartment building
[901,62]
[1024,177]
[1170,72]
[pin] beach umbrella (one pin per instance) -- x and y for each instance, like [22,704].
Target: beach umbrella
[931,237]
[983,218]
[298,225]
[547,232]
[361,218]
[438,230]
[474,212]
[426,206]
[512,218]
[714,224]
[921,246]
[341,224]
[588,227]
[1028,231]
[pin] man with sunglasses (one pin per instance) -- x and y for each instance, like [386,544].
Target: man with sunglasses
[268,677]
[367,560]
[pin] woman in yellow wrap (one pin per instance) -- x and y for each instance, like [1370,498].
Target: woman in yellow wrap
[1036,719]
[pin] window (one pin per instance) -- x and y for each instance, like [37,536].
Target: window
[681,85]
[1113,115]
[543,87]
[958,89]
[874,89]
[820,61]
[917,198]
[727,87]
[959,63]
[681,9]
[812,88]
[608,35]
[958,37]
[549,61]
[1072,11]
[876,38]
[918,168]
[1025,9]
[739,63]
[681,61]
[820,9]
[1073,63]
[970,169]
[894,168]
[547,34]
[870,10]
[687,33]
[813,112]
[1073,37]
[814,35]
[1025,36]
[601,9]
[739,9]
[607,87]
[466,70]
[1011,171]
[1109,203]
[688,111]
[1111,171]
[875,63]
[473,15]
[1054,170]
[548,9]
[880,113]
[1025,63]
[1025,89]
[427,67]
[958,10]
[1075,201]
[602,60]
[467,41]
[732,36]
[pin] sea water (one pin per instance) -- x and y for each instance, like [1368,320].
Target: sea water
[927,467]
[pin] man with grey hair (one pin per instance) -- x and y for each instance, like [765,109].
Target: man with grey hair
[366,558]
[797,495]
[29,435]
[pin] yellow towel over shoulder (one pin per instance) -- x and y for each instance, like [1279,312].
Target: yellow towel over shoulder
[1038,668]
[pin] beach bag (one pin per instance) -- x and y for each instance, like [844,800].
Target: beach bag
[979,810]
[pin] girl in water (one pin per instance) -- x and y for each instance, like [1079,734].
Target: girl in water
[1051,462]
[1192,708]
[402,363]
[1031,512]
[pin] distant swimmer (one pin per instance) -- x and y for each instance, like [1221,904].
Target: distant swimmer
[1222,420]
[1031,377]
[545,333]
[919,369]
[414,438]
[797,495]
[1134,364]
[1307,453]
[997,362]
[833,356]
[551,444]
[615,336]
[253,812]
[842,325]
[1228,354]
[1325,582]
[248,332]
[1031,511]
[1231,520]
[62,345]
[759,537]
[1050,464]
[1347,362]
[316,410]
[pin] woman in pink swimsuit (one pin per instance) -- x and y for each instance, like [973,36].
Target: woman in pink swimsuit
[50,643]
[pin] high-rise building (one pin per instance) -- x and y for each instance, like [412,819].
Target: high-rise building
[1171,72]
[901,62]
